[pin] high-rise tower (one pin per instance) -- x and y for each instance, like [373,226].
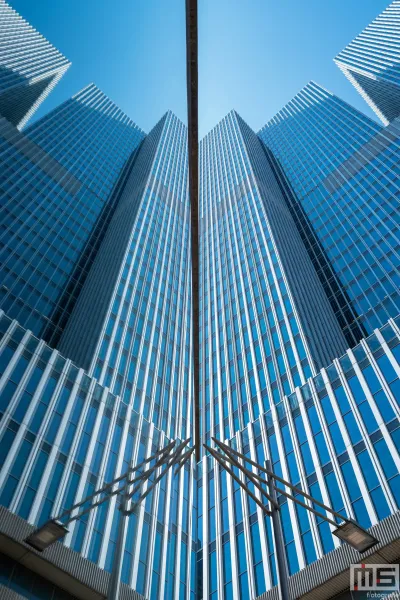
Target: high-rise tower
[264,312]
[267,325]
[299,259]
[371,62]
[30,67]
[57,180]
[343,170]
[131,327]
[137,341]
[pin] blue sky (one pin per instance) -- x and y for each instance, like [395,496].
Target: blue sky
[254,55]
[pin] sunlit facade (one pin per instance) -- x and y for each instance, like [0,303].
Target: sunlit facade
[266,323]
[338,438]
[57,186]
[258,345]
[30,67]
[62,435]
[371,62]
[299,334]
[266,329]
[137,341]
[344,171]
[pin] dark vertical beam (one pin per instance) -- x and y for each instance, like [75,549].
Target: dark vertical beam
[193,155]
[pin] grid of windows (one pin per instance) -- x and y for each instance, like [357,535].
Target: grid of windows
[257,332]
[140,344]
[52,213]
[337,438]
[62,435]
[97,214]
[343,169]
[90,136]
[63,432]
[30,67]
[371,63]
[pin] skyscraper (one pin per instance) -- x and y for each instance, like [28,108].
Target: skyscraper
[30,67]
[343,170]
[137,342]
[371,62]
[259,326]
[267,325]
[58,179]
[299,260]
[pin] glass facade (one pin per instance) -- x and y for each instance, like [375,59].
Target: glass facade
[62,435]
[56,185]
[263,308]
[30,67]
[30,585]
[337,438]
[90,136]
[371,62]
[343,170]
[299,265]
[137,342]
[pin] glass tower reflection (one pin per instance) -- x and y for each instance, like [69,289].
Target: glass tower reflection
[300,342]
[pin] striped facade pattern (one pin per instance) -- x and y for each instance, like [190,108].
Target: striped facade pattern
[371,62]
[57,192]
[321,328]
[256,335]
[30,67]
[344,171]
[8,594]
[250,348]
[338,438]
[85,577]
[137,342]
[96,252]
[329,576]
[326,455]
[90,136]
[62,436]
[314,110]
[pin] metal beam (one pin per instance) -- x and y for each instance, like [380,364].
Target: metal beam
[175,458]
[279,543]
[125,476]
[231,451]
[193,157]
[222,461]
[252,477]
[183,460]
[307,506]
[170,459]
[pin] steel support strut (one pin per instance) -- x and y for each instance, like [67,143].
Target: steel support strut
[193,158]
[165,459]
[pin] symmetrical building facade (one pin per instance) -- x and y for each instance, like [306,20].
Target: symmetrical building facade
[299,333]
